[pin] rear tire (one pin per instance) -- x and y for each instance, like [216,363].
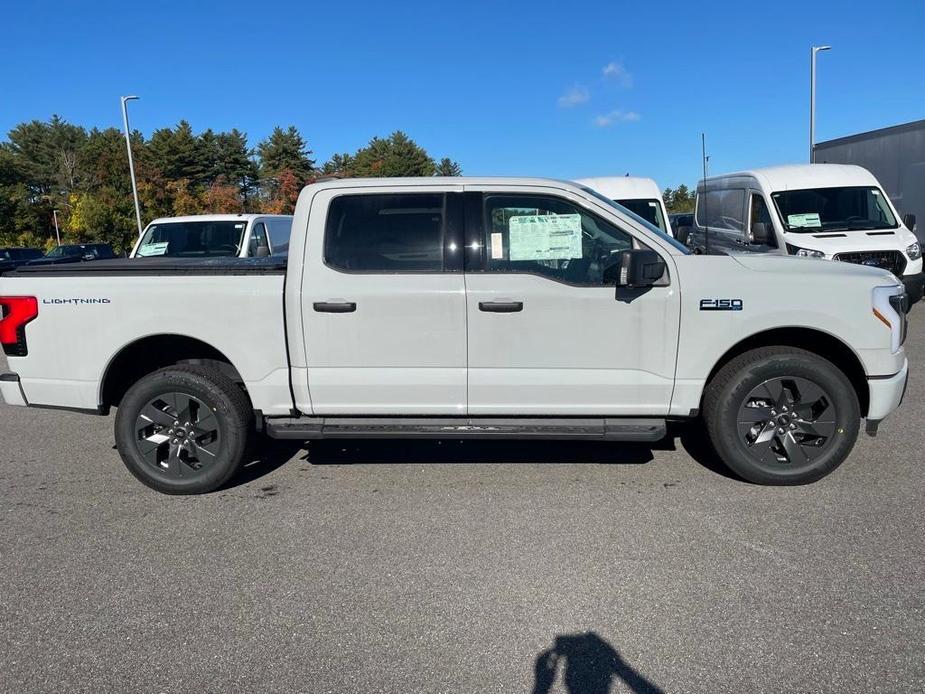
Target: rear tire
[184,429]
[781,416]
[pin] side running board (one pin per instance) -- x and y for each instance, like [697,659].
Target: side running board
[605,429]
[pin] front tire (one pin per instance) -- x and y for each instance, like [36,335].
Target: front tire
[781,416]
[184,429]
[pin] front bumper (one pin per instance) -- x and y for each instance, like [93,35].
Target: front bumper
[11,390]
[915,286]
[886,394]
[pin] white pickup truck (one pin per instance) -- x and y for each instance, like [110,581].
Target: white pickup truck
[461,307]
[215,235]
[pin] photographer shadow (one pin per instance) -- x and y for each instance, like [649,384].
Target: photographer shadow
[588,665]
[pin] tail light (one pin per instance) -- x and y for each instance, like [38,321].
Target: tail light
[16,312]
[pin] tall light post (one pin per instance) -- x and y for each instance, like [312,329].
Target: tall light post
[54,213]
[812,100]
[131,161]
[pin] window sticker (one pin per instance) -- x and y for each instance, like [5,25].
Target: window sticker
[497,246]
[805,219]
[152,249]
[545,237]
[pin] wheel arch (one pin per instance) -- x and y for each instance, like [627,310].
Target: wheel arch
[813,340]
[145,355]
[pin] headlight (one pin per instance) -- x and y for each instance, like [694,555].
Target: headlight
[804,252]
[889,308]
[914,251]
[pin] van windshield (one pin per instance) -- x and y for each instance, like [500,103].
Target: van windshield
[649,210]
[834,209]
[667,238]
[192,239]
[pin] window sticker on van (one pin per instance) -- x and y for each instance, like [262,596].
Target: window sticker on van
[545,237]
[805,219]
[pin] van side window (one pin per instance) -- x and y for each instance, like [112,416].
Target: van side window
[385,233]
[550,237]
[761,215]
[722,209]
[258,239]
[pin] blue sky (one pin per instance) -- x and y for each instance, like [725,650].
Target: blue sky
[538,88]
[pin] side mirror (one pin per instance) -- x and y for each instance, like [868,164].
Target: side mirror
[682,234]
[909,221]
[262,252]
[759,233]
[635,269]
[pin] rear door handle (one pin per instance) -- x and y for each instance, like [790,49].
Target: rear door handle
[501,306]
[335,306]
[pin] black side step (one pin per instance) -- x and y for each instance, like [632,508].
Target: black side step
[606,429]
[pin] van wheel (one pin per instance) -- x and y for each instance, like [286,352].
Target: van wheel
[781,415]
[184,429]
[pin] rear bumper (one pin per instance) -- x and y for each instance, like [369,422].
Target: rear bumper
[886,394]
[915,286]
[11,390]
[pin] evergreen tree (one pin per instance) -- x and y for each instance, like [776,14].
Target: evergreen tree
[285,150]
[396,155]
[448,167]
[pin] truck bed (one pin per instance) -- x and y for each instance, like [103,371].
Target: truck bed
[90,312]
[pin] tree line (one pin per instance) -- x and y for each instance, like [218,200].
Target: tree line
[54,167]
[680,199]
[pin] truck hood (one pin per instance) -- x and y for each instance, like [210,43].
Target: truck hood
[833,242]
[790,265]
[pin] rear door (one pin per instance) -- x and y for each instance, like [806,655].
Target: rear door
[548,335]
[384,303]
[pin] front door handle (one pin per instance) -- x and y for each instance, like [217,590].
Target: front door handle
[501,306]
[335,306]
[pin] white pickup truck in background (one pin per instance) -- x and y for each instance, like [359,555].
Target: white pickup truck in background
[215,235]
[461,307]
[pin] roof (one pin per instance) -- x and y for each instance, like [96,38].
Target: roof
[623,187]
[234,217]
[873,134]
[445,182]
[801,176]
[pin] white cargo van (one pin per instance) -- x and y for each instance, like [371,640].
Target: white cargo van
[830,211]
[215,235]
[639,195]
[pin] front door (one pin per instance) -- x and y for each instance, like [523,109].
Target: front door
[548,335]
[384,304]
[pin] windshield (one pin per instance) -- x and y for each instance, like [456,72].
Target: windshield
[642,220]
[64,251]
[834,209]
[192,239]
[649,210]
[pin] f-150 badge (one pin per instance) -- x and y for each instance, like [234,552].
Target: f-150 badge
[720,304]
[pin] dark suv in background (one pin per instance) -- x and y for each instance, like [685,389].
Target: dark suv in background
[12,258]
[75,253]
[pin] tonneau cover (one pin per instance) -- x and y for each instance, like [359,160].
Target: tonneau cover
[272,265]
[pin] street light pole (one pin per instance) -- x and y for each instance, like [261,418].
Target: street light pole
[812,100]
[54,213]
[131,161]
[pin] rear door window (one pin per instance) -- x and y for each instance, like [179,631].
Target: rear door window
[386,233]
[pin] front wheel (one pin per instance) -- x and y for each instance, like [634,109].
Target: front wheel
[184,429]
[781,415]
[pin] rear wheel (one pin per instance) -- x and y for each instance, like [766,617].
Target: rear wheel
[184,429]
[781,415]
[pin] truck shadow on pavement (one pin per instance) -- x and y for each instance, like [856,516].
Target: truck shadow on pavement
[270,454]
[587,664]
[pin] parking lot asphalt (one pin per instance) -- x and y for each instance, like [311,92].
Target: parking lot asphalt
[461,567]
